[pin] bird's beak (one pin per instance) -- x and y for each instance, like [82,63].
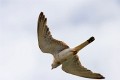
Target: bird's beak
[52,68]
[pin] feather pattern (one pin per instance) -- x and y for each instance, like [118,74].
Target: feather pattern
[73,66]
[46,42]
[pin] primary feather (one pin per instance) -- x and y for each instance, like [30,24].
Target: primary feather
[46,42]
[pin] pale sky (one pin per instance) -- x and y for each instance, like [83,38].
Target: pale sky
[72,21]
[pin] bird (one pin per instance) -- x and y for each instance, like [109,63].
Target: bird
[62,53]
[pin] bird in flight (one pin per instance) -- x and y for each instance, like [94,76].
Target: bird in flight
[62,53]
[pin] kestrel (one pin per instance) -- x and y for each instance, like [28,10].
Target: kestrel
[62,53]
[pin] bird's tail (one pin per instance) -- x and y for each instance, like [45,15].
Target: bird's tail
[81,46]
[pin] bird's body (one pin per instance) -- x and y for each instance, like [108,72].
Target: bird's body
[61,57]
[62,53]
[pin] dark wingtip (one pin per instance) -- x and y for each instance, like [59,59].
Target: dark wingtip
[101,77]
[41,13]
[41,16]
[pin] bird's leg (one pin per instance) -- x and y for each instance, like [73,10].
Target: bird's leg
[79,47]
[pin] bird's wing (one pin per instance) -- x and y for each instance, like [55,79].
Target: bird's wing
[73,66]
[46,42]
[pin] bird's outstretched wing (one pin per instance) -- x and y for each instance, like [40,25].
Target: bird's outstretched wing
[73,66]
[46,42]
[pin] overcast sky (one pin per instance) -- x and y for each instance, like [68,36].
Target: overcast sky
[72,21]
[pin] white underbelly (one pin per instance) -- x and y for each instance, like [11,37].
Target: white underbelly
[64,55]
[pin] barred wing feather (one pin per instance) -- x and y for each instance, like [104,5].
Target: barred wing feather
[46,42]
[73,66]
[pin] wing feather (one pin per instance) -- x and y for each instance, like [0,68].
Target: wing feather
[73,66]
[46,42]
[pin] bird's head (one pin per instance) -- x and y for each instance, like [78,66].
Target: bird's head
[55,65]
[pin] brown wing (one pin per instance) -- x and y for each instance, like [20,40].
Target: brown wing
[46,42]
[73,66]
